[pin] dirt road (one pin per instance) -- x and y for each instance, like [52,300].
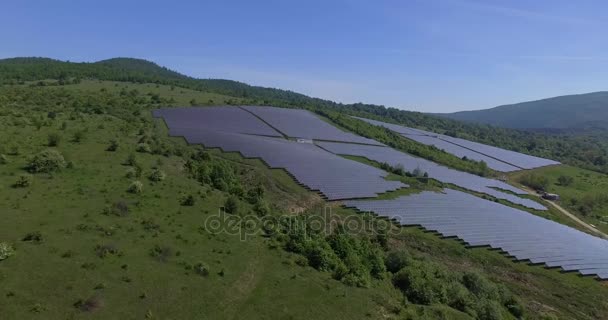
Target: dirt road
[569,215]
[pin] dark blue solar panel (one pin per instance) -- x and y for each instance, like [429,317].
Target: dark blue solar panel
[479,222]
[435,171]
[463,152]
[297,123]
[225,119]
[512,158]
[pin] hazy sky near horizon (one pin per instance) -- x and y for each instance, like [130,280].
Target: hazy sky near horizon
[424,55]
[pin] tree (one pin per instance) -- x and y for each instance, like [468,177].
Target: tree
[231,205]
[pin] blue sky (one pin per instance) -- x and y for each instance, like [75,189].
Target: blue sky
[425,55]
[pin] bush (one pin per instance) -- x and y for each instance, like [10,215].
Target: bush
[162,254]
[35,237]
[113,146]
[565,180]
[534,181]
[201,269]
[396,260]
[143,148]
[119,208]
[488,310]
[231,205]
[3,159]
[6,250]
[157,175]
[422,283]
[188,200]
[78,136]
[480,286]
[46,161]
[136,187]
[24,181]
[132,173]
[53,139]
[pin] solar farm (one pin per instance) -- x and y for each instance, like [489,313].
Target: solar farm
[311,151]
[496,158]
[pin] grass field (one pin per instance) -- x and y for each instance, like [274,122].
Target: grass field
[88,263]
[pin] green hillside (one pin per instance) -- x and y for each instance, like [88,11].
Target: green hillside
[81,238]
[581,111]
[587,149]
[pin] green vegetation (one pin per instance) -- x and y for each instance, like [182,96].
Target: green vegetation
[578,111]
[122,255]
[587,148]
[582,192]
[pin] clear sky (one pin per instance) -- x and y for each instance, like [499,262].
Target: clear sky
[425,55]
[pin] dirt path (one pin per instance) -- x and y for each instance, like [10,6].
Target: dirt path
[569,215]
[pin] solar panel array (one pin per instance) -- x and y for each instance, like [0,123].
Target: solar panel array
[333,176]
[479,222]
[226,119]
[297,123]
[463,152]
[497,158]
[435,171]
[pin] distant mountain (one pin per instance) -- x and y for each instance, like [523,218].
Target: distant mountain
[581,111]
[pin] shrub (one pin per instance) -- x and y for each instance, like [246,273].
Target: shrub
[396,260]
[3,159]
[161,254]
[24,181]
[565,180]
[422,283]
[143,148]
[480,286]
[113,146]
[488,310]
[46,161]
[201,269]
[132,173]
[136,187]
[188,200]
[89,305]
[119,208]
[535,181]
[6,250]
[157,175]
[131,160]
[103,251]
[231,205]
[261,208]
[35,237]
[53,139]
[78,136]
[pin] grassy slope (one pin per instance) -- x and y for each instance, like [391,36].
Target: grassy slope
[586,185]
[258,281]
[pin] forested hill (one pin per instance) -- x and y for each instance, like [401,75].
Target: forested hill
[581,111]
[588,151]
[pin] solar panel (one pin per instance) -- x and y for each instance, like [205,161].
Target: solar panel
[298,123]
[317,169]
[435,171]
[463,152]
[510,158]
[225,119]
[522,235]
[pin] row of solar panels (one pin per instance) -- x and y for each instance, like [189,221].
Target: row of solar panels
[479,222]
[496,158]
[444,174]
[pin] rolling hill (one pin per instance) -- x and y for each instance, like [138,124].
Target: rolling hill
[581,111]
